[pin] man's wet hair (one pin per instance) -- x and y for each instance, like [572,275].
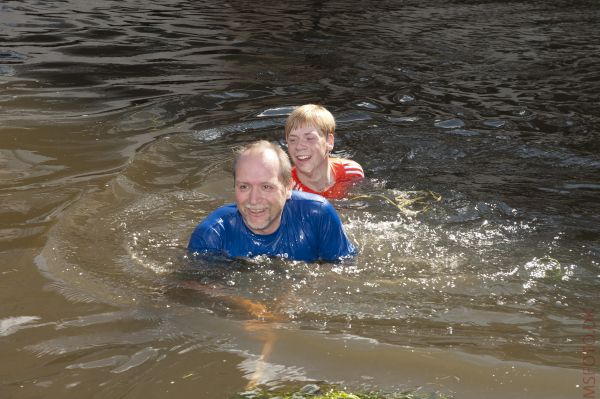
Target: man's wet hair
[285,166]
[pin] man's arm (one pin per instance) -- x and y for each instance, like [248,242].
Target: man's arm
[334,244]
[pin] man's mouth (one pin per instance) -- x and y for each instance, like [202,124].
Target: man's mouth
[255,212]
[302,157]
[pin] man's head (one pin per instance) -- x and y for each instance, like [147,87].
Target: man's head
[262,178]
[311,114]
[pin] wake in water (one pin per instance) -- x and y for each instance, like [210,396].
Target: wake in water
[435,268]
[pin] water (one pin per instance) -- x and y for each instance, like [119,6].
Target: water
[118,121]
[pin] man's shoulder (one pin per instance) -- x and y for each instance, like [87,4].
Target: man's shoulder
[307,199]
[224,212]
[311,207]
[211,232]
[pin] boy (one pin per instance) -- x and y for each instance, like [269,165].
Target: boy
[309,132]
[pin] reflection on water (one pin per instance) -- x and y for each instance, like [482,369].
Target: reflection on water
[119,124]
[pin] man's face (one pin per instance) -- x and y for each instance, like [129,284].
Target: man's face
[259,194]
[309,149]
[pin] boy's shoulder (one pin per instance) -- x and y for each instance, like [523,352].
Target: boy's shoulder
[347,168]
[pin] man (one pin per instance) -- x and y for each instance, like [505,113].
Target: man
[268,218]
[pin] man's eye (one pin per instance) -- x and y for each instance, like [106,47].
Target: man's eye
[267,187]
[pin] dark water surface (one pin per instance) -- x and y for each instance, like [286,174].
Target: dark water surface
[117,125]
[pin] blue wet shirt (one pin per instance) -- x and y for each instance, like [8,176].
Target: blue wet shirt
[310,230]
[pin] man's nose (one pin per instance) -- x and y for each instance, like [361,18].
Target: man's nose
[254,195]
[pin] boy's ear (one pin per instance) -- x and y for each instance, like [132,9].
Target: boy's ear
[330,141]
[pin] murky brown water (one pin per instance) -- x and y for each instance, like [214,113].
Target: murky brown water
[117,124]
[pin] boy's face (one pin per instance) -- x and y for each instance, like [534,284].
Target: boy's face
[309,148]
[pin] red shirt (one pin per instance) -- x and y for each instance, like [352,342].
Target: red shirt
[345,173]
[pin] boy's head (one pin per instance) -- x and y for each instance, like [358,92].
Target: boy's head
[311,114]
